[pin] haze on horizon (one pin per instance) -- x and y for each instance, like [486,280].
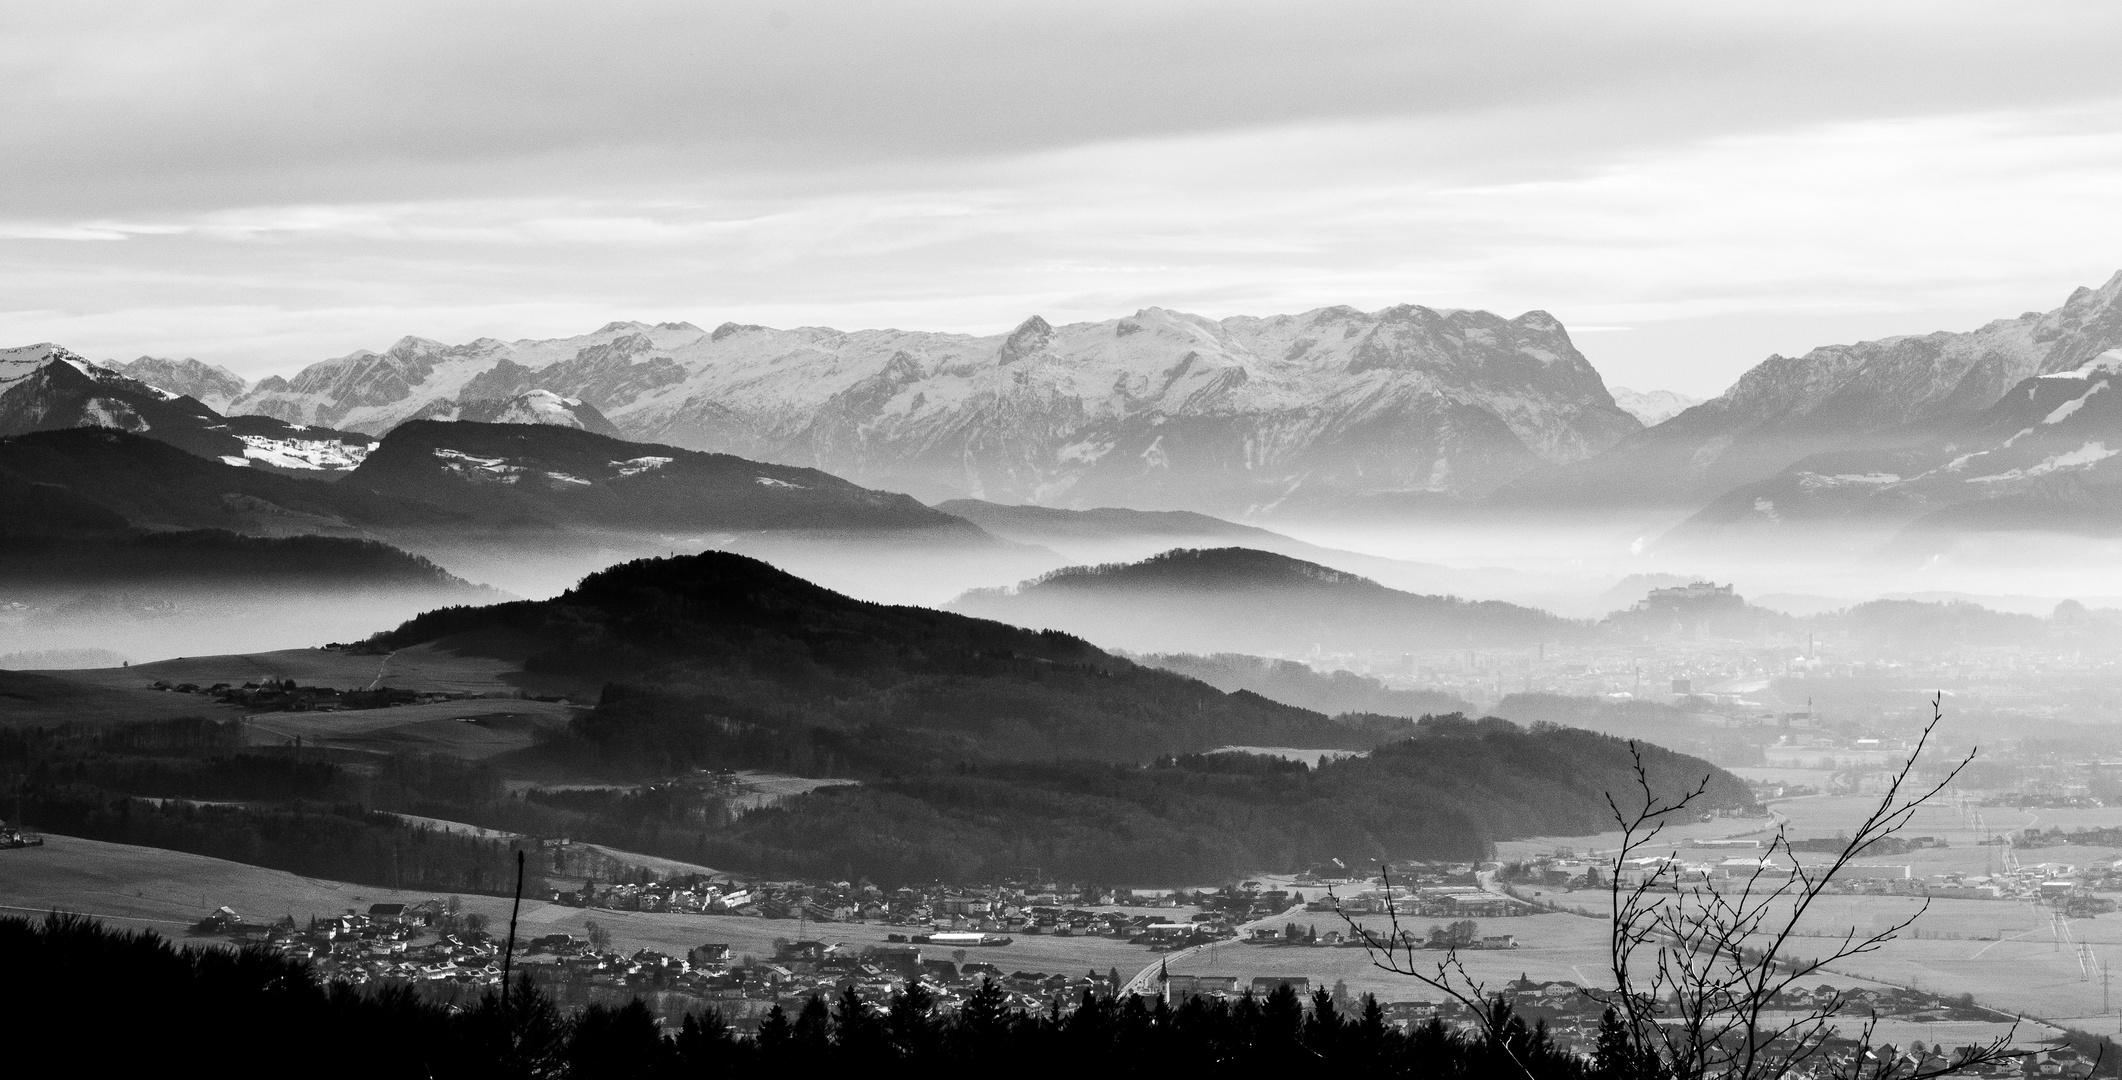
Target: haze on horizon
[1687,188]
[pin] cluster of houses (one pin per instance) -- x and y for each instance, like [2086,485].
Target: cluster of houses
[427,948]
[379,946]
[1061,910]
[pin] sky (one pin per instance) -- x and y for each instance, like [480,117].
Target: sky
[1689,187]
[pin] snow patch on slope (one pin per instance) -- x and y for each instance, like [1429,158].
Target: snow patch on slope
[319,454]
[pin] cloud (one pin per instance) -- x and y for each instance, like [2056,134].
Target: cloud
[269,186]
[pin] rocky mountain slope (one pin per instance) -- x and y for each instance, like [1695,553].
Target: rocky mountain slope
[1874,397]
[2042,457]
[1159,409]
[210,385]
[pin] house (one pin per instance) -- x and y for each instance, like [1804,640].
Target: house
[1268,984]
[712,955]
[901,960]
[1180,988]
[222,918]
[391,913]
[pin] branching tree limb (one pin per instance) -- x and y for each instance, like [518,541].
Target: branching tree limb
[1702,975]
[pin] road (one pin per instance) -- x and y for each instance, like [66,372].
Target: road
[1145,980]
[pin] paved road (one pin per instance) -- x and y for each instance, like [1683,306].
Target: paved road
[1145,981]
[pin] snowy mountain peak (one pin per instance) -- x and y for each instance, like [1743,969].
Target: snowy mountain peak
[1029,337]
[1653,407]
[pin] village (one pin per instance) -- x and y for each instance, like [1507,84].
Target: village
[950,942]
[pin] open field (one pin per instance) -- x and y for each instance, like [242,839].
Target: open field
[422,667]
[472,728]
[1606,842]
[1550,946]
[45,699]
[761,789]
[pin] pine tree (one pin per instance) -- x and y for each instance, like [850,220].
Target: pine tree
[776,1035]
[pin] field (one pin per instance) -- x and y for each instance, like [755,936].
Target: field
[422,667]
[2009,955]
[46,699]
[473,728]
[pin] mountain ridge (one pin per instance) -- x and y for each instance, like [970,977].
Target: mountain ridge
[1169,409]
[1880,396]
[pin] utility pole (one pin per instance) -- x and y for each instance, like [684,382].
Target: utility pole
[508,954]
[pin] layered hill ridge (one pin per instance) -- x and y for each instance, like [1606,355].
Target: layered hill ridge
[1158,409]
[504,474]
[150,516]
[1241,600]
[745,659]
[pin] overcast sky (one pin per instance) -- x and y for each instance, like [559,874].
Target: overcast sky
[1689,187]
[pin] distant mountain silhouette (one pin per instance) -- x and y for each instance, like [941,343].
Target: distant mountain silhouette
[1292,683]
[1242,600]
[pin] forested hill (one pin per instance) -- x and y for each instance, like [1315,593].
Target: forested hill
[720,660]
[1241,600]
[1448,792]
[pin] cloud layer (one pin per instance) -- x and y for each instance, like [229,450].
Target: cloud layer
[263,186]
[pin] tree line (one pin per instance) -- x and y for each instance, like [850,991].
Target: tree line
[252,1013]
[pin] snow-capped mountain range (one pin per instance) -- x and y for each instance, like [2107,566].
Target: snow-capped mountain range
[1159,408]
[1239,416]
[48,387]
[1897,393]
[2044,456]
